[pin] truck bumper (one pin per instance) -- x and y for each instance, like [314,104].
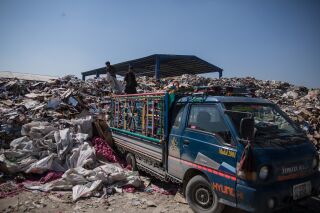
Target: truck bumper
[256,198]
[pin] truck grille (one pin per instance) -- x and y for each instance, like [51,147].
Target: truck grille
[293,170]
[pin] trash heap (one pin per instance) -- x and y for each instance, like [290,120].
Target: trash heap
[69,97]
[67,157]
[46,128]
[300,103]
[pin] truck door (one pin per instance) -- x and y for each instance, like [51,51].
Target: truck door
[207,145]
[174,164]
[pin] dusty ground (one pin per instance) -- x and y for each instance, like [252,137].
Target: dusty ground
[34,201]
[119,202]
[125,202]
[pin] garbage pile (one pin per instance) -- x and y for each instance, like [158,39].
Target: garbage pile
[300,103]
[46,128]
[69,97]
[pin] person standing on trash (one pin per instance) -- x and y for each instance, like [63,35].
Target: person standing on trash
[131,82]
[111,70]
[112,78]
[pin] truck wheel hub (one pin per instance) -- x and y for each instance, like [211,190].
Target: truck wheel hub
[203,196]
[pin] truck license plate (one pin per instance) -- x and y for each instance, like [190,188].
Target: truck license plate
[301,190]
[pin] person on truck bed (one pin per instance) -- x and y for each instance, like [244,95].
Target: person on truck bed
[131,82]
[112,78]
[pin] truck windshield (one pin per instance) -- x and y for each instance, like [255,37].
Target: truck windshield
[270,121]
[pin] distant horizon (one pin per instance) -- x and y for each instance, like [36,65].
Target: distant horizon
[268,40]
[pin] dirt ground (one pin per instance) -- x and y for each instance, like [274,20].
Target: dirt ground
[155,202]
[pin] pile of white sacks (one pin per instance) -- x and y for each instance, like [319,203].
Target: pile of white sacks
[43,147]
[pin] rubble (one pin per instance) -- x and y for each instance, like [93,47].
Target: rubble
[69,97]
[66,98]
[68,157]
[48,129]
[300,103]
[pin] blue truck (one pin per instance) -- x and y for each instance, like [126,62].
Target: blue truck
[238,151]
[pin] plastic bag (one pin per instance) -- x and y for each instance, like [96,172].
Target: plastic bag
[86,190]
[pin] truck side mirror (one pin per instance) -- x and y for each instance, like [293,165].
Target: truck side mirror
[247,128]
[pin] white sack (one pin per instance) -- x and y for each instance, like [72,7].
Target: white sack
[83,155]
[58,185]
[37,129]
[84,125]
[64,142]
[85,190]
[42,165]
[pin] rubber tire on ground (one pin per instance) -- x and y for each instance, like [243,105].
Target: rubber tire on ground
[198,182]
[131,160]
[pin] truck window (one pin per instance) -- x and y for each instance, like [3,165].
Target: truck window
[207,118]
[178,117]
[270,121]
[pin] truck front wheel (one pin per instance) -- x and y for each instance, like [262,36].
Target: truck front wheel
[200,196]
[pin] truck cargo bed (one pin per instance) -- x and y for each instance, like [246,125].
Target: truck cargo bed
[133,144]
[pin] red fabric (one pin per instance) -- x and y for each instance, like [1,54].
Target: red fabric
[104,150]
[129,188]
[129,167]
[51,176]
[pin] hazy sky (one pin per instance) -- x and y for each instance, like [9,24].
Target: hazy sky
[271,39]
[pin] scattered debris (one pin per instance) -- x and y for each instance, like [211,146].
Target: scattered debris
[69,97]
[9,189]
[47,129]
[66,98]
[300,103]
[169,189]
[180,198]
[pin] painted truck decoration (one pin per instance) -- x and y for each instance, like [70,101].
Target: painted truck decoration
[238,151]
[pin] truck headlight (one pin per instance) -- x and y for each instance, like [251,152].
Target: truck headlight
[263,173]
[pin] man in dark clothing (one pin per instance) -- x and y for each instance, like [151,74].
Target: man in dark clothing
[111,69]
[131,82]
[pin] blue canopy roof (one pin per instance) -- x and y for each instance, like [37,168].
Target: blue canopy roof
[162,65]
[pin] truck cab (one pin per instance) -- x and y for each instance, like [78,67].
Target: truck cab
[238,151]
[206,138]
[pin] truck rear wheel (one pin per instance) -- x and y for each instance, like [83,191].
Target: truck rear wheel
[131,160]
[200,196]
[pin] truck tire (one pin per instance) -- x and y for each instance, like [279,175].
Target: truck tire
[131,160]
[200,196]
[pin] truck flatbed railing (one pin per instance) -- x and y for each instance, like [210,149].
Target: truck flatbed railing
[144,115]
[126,132]
[139,95]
